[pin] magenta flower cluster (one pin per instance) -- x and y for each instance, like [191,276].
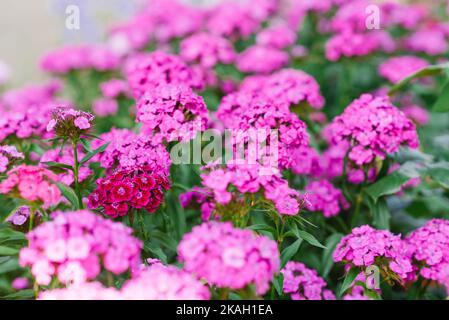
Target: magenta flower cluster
[397,68]
[127,150]
[324,197]
[366,246]
[172,113]
[74,247]
[303,283]
[207,50]
[8,157]
[146,71]
[66,59]
[375,128]
[69,123]
[429,246]
[228,257]
[124,190]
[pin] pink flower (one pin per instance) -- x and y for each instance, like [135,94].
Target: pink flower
[397,68]
[259,59]
[228,257]
[303,283]
[324,197]
[72,246]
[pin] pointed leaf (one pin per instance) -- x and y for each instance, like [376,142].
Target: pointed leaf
[310,239]
[349,279]
[93,153]
[69,194]
[290,251]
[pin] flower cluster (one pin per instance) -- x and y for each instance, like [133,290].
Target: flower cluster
[25,112]
[375,128]
[155,283]
[114,88]
[303,283]
[246,112]
[246,179]
[288,86]
[75,245]
[127,150]
[323,196]
[144,72]
[33,184]
[137,188]
[366,246]
[261,59]
[66,59]
[278,36]
[429,245]
[397,68]
[20,216]
[229,257]
[207,50]
[69,123]
[172,113]
[160,282]
[8,157]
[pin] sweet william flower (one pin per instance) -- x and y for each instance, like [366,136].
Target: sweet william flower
[69,123]
[228,257]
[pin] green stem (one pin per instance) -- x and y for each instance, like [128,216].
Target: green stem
[358,205]
[76,167]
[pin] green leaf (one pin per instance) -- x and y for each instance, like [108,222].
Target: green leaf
[392,183]
[278,283]
[69,194]
[93,153]
[328,259]
[20,295]
[381,214]
[86,145]
[58,165]
[261,227]
[7,251]
[290,251]
[425,72]
[349,279]
[442,103]
[439,174]
[156,251]
[310,239]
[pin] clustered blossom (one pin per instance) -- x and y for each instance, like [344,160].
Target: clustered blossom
[114,88]
[431,41]
[65,156]
[8,157]
[146,71]
[74,246]
[172,113]
[288,86]
[20,216]
[348,44]
[261,59]
[81,291]
[66,59]
[70,123]
[207,50]
[429,247]
[248,178]
[25,112]
[375,127]
[155,283]
[279,37]
[104,107]
[124,190]
[228,257]
[366,246]
[416,113]
[127,150]
[323,196]
[303,283]
[397,68]
[34,184]
[160,282]
[306,161]
[247,113]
